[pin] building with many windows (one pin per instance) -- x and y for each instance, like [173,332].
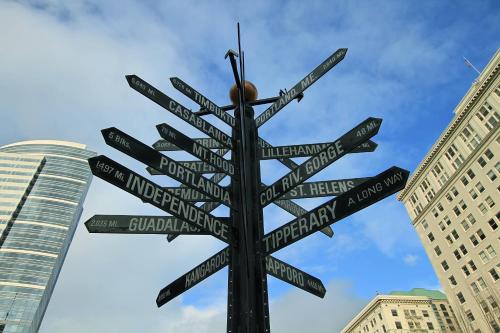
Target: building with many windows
[418,310]
[42,188]
[453,200]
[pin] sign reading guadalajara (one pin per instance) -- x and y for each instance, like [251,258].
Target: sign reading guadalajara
[189,145]
[305,83]
[180,111]
[193,277]
[364,195]
[139,224]
[141,152]
[129,181]
[202,101]
[321,160]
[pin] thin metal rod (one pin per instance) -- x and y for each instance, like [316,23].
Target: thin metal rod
[269,100]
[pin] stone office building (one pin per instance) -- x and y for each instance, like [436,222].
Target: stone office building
[453,201]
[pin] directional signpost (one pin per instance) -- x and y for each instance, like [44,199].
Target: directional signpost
[248,251]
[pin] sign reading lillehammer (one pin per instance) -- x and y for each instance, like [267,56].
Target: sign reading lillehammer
[248,253]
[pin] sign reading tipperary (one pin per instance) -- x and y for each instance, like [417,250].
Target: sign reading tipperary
[305,83]
[189,145]
[131,182]
[321,160]
[307,150]
[139,224]
[202,101]
[164,145]
[323,188]
[147,155]
[294,276]
[177,109]
[193,277]
[362,196]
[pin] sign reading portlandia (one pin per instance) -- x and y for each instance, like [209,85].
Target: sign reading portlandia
[306,150]
[147,155]
[140,224]
[324,188]
[362,196]
[305,83]
[189,145]
[321,160]
[131,182]
[164,145]
[202,101]
[193,277]
[295,276]
[177,109]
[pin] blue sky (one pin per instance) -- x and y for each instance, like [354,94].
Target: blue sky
[62,69]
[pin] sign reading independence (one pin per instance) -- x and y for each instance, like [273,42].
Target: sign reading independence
[131,182]
[305,83]
[177,109]
[147,155]
[362,196]
[321,160]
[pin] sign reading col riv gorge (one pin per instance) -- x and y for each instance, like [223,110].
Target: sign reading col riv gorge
[247,251]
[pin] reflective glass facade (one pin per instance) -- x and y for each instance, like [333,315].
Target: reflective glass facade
[42,188]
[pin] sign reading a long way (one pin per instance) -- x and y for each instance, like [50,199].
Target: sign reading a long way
[321,160]
[364,195]
[131,182]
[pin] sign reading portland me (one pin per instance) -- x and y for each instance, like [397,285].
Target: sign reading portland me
[248,251]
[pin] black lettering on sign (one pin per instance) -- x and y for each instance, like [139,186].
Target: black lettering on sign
[177,109]
[364,195]
[294,276]
[305,83]
[321,160]
[152,193]
[202,101]
[164,164]
[193,277]
[186,143]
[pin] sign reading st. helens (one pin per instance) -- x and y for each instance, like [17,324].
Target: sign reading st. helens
[321,160]
[305,83]
[131,182]
[177,109]
[362,196]
[141,152]
[189,145]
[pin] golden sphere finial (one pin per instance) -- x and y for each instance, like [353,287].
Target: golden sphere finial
[250,93]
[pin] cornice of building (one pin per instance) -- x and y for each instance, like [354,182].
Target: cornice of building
[378,300]
[48,142]
[468,102]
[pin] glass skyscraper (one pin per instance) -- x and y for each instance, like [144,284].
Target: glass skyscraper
[42,188]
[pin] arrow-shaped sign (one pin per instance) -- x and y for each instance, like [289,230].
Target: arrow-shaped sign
[305,83]
[210,266]
[177,109]
[147,155]
[164,145]
[202,101]
[294,276]
[362,196]
[131,182]
[321,160]
[189,145]
[196,166]
[325,188]
[140,224]
[306,150]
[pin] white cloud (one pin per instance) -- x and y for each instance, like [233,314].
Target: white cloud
[410,259]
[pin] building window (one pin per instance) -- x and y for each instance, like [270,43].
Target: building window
[457,255]
[481,282]
[481,234]
[472,265]
[425,313]
[491,251]
[445,266]
[461,298]
[471,219]
[482,208]
[474,287]
[430,236]
[493,224]
[398,325]
[480,187]
[471,174]
[441,226]
[463,249]
[489,155]
[446,220]
[437,250]
[435,212]
[394,312]
[449,197]
[473,194]
[465,225]
[491,175]
[425,224]
[453,282]
[465,270]
[470,316]
[484,257]
[494,274]
[455,234]
[481,161]
[492,301]
[490,201]
[462,205]
[484,306]
[474,240]
[449,239]
[456,210]
[464,180]
[383,328]
[380,316]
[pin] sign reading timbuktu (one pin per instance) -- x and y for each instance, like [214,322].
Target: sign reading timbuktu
[248,251]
